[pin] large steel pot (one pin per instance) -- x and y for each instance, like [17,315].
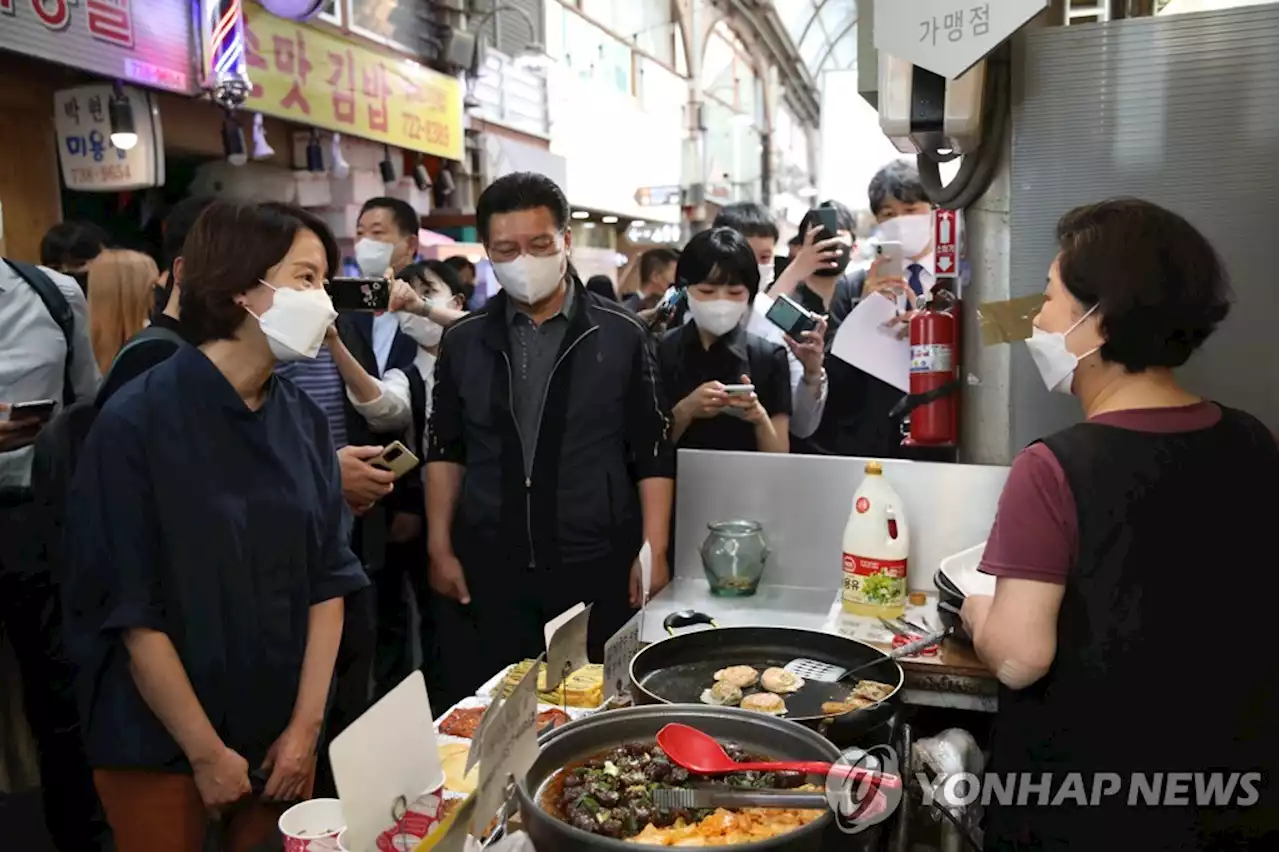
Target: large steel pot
[588,737]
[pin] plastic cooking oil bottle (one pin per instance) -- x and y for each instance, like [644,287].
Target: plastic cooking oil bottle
[876,541]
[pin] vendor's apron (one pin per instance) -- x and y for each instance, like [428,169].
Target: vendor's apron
[1162,578]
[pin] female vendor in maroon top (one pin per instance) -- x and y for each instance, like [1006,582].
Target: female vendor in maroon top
[1124,549]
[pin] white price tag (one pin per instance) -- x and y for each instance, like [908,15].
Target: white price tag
[618,651]
[509,747]
[567,644]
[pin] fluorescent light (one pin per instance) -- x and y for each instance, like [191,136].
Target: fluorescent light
[581,214]
[609,220]
[588,224]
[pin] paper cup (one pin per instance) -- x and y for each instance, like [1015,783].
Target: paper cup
[342,842]
[312,826]
[421,818]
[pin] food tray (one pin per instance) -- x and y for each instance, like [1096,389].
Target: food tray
[491,686]
[961,569]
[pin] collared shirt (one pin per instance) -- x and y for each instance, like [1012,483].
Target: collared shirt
[33,355]
[227,538]
[319,379]
[685,364]
[534,349]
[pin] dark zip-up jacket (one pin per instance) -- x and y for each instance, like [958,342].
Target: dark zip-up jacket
[605,425]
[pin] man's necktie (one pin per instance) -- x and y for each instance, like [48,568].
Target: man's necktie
[913,279]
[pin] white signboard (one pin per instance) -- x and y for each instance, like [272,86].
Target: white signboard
[948,37]
[90,163]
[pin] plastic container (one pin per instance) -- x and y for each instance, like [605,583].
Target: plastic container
[876,543]
[961,571]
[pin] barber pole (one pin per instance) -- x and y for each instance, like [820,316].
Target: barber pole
[224,68]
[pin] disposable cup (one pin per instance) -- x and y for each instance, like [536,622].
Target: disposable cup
[420,819]
[312,826]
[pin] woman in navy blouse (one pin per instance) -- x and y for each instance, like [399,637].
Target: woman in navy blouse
[209,558]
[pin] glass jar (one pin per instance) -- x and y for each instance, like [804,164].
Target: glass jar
[734,555]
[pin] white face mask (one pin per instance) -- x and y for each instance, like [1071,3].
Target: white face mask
[766,276]
[424,332]
[914,232]
[716,316]
[296,322]
[373,257]
[529,279]
[1056,363]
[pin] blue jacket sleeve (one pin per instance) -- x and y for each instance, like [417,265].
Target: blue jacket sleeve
[338,571]
[114,574]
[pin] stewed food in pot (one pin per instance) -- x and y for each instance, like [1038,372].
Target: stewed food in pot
[611,794]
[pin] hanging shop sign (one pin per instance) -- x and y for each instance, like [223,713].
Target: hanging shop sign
[90,163]
[308,76]
[143,41]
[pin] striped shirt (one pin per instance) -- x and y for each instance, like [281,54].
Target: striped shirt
[319,379]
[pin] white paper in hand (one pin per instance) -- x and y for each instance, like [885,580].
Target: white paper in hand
[398,733]
[567,645]
[864,342]
[618,651]
[509,748]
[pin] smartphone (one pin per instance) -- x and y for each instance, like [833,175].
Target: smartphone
[359,294]
[36,409]
[826,218]
[892,265]
[780,264]
[792,318]
[396,458]
[739,390]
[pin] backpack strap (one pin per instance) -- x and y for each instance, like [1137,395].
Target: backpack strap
[59,308]
[150,333]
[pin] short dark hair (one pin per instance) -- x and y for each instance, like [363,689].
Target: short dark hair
[719,256]
[520,191]
[69,244]
[602,286]
[402,213]
[229,250]
[1158,284]
[749,219]
[900,181]
[418,272]
[459,262]
[178,224]
[654,259]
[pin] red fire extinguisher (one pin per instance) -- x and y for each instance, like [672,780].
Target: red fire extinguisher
[933,401]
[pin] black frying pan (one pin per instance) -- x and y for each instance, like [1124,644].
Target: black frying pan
[677,669]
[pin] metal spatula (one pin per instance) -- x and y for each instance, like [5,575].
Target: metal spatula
[820,672]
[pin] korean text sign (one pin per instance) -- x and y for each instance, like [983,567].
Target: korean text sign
[89,161]
[305,75]
[140,41]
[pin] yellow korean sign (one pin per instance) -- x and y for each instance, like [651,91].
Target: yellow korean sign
[305,75]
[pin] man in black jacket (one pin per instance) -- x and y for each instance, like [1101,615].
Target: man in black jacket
[547,410]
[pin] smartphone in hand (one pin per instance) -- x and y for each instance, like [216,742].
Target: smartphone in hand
[825,217]
[38,410]
[395,458]
[359,294]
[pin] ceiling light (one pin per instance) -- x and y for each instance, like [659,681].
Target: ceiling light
[609,220]
[233,141]
[581,214]
[123,133]
[588,224]
[639,223]
[387,168]
[421,177]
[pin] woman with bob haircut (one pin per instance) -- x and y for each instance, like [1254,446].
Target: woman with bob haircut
[706,361]
[209,558]
[1113,539]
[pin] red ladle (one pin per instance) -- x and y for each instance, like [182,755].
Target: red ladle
[698,752]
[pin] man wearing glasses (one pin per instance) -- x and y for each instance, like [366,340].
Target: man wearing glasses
[549,460]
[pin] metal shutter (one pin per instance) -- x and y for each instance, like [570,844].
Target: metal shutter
[1180,110]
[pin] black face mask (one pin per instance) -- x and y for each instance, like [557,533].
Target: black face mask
[164,292]
[841,262]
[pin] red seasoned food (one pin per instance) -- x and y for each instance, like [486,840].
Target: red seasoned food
[552,717]
[462,722]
